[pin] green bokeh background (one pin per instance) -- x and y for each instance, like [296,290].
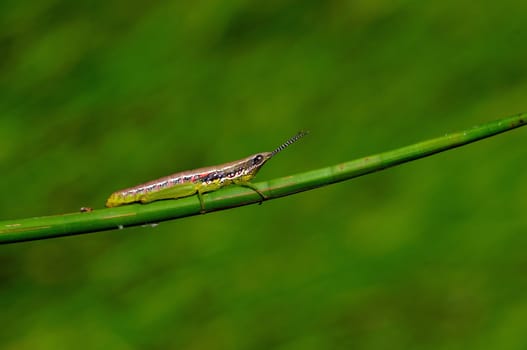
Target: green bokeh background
[100,95]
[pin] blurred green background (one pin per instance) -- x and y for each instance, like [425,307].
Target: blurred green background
[100,95]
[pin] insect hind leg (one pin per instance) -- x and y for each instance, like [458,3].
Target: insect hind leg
[173,192]
[201,203]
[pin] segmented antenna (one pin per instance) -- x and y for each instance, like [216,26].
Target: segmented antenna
[289,142]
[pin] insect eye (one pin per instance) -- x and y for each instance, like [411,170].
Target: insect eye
[258,159]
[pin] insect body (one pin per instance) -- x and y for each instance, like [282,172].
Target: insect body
[199,181]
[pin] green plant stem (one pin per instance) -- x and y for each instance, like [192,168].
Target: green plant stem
[234,196]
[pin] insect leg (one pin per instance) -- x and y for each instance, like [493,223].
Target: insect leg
[252,187]
[174,192]
[201,203]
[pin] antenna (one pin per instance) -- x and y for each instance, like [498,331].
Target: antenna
[289,142]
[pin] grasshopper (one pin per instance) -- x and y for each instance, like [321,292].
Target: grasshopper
[200,181]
